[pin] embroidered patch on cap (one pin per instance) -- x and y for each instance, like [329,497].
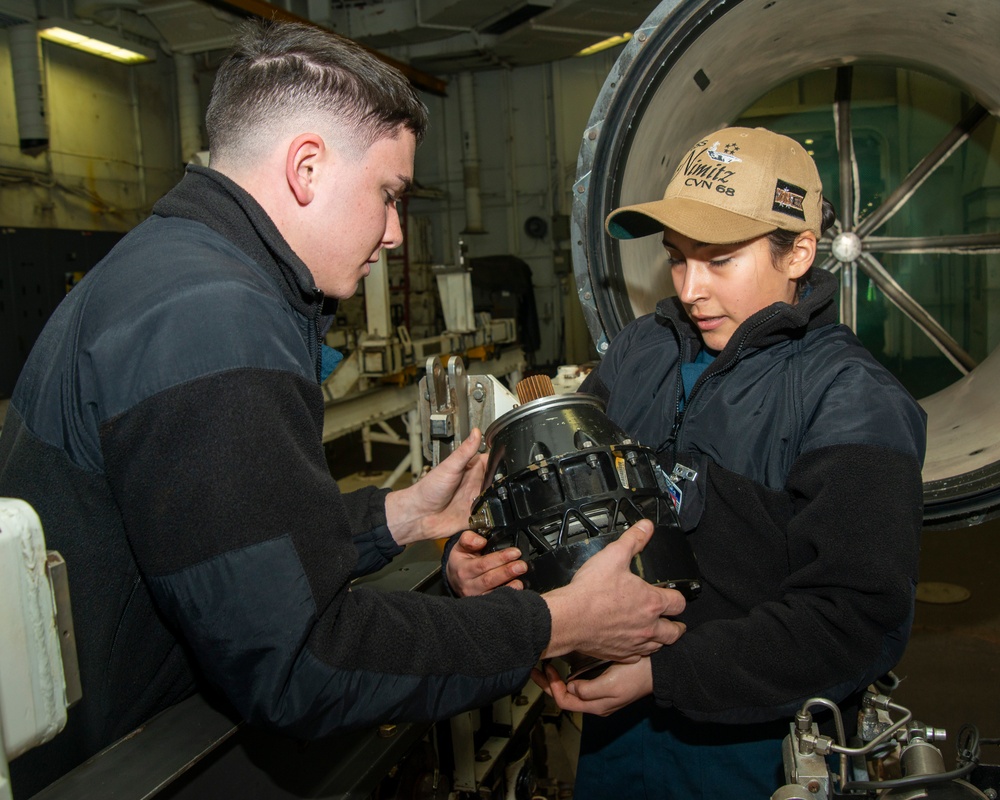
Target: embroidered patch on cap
[724,156]
[788,199]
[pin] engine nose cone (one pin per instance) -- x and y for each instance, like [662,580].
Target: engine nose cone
[847,247]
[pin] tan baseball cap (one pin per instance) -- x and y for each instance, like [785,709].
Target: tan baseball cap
[733,185]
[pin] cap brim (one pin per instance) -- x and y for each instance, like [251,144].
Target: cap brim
[696,220]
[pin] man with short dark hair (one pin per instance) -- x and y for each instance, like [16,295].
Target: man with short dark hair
[168,429]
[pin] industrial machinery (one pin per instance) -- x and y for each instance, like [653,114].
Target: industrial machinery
[892,758]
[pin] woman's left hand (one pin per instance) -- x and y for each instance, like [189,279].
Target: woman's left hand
[471,573]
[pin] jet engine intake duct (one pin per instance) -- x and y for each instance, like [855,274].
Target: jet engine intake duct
[697,65]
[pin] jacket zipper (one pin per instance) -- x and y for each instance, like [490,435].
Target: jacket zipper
[317,345]
[680,412]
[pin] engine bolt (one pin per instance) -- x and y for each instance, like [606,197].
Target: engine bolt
[386,731]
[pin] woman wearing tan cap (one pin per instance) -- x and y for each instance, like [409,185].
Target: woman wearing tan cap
[805,511]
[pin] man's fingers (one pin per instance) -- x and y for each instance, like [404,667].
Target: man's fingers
[635,538]
[467,450]
[462,456]
[668,631]
[645,649]
[673,602]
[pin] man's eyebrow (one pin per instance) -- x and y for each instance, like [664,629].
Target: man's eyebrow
[407,183]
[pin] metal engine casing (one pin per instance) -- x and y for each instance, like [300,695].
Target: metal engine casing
[563,482]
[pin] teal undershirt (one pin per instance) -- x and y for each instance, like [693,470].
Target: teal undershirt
[692,371]
[331,360]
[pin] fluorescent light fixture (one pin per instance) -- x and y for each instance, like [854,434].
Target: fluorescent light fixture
[94,39]
[604,44]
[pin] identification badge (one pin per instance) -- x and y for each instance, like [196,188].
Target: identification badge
[676,495]
[669,485]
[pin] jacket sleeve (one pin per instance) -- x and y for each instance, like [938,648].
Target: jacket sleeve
[369,532]
[445,555]
[248,548]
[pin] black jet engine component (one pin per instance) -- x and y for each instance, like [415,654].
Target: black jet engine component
[563,481]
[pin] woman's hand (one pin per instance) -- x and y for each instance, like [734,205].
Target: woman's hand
[472,573]
[616,687]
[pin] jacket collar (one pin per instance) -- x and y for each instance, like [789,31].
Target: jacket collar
[209,197]
[776,323]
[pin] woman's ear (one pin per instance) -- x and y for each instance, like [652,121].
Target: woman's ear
[802,255]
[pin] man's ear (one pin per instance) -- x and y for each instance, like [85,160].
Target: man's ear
[304,153]
[802,255]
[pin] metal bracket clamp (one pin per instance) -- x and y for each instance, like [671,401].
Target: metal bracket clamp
[452,403]
[444,409]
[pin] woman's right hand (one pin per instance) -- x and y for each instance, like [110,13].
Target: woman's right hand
[472,573]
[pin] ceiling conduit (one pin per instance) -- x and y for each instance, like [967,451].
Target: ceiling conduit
[470,155]
[694,66]
[188,108]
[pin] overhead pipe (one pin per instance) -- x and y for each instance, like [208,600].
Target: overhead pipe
[440,26]
[470,156]
[28,90]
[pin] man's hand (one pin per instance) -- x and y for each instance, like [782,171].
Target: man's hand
[615,688]
[439,503]
[608,612]
[472,573]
